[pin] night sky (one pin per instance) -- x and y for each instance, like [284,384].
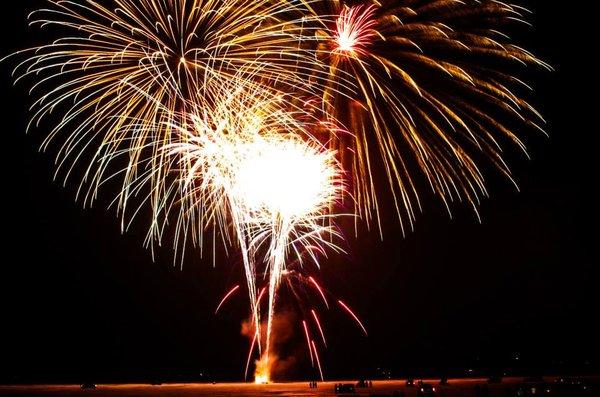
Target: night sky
[519,290]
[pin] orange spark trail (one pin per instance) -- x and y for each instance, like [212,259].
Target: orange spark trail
[318,287]
[318,360]
[250,355]
[260,295]
[353,316]
[312,361]
[258,299]
[231,292]
[319,326]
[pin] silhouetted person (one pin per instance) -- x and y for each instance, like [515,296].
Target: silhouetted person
[477,390]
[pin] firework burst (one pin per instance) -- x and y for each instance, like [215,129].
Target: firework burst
[355,30]
[142,62]
[436,93]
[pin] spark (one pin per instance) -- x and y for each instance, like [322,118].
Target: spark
[254,339]
[318,359]
[314,314]
[308,342]
[231,292]
[354,316]
[318,287]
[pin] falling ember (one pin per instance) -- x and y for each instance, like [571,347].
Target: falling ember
[317,358]
[308,342]
[354,316]
[231,292]
[314,314]
[318,287]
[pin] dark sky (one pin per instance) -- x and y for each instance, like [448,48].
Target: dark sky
[77,298]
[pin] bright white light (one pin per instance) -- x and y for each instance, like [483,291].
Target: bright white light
[286,178]
[345,42]
[261,379]
[355,29]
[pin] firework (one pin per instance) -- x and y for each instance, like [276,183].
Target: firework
[242,117]
[437,92]
[251,166]
[138,63]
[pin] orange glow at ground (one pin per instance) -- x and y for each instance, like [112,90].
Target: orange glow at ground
[262,374]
